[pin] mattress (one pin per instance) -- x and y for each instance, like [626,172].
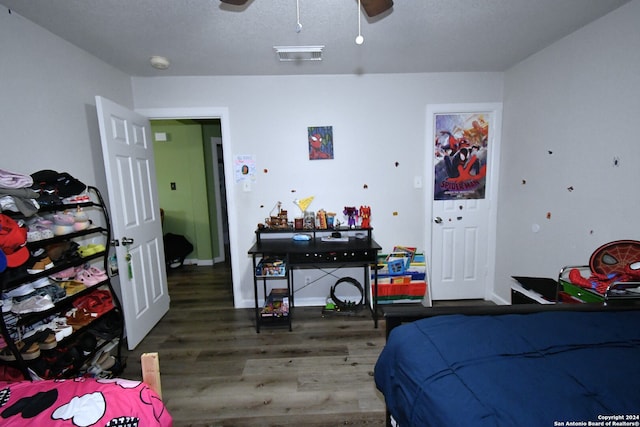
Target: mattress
[512,370]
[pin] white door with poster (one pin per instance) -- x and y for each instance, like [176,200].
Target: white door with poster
[463,153]
[135,217]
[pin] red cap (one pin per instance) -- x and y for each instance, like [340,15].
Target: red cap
[12,241]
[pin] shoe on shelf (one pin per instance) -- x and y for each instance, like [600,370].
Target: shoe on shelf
[85,251]
[81,225]
[55,291]
[65,274]
[39,232]
[78,318]
[45,338]
[60,328]
[39,229]
[79,198]
[32,304]
[40,266]
[107,328]
[21,291]
[41,283]
[6,305]
[72,287]
[87,344]
[63,218]
[28,352]
[59,362]
[97,303]
[81,219]
[62,250]
[97,247]
[97,272]
[61,230]
[79,215]
[87,278]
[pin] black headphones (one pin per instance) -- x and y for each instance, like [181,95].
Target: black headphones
[347,305]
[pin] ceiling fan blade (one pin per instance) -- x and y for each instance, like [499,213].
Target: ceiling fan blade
[376,7]
[234,2]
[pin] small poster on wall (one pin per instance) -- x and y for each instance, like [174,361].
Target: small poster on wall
[244,168]
[320,142]
[461,144]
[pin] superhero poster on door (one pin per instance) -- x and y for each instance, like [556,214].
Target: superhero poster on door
[460,155]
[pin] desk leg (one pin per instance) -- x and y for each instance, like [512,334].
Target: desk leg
[375,296]
[255,295]
[290,284]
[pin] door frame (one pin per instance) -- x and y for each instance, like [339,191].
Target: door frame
[221,113]
[213,142]
[495,108]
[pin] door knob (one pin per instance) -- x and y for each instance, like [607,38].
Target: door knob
[126,241]
[438,220]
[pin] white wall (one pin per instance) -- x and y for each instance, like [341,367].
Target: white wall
[47,108]
[579,99]
[377,120]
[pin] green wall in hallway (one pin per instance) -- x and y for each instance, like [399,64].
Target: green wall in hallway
[181,160]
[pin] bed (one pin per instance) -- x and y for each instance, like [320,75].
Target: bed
[521,365]
[81,402]
[85,402]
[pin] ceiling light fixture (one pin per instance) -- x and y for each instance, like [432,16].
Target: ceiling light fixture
[376,7]
[298,25]
[299,53]
[359,38]
[159,62]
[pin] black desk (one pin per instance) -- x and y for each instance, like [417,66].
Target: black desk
[318,254]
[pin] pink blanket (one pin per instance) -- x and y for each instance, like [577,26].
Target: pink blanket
[81,402]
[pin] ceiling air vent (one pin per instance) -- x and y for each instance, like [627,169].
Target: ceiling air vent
[299,53]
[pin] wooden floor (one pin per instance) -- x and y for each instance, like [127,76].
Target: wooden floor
[217,371]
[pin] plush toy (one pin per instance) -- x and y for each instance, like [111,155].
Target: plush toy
[352,215]
[365,214]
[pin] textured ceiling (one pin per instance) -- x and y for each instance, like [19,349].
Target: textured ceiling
[206,37]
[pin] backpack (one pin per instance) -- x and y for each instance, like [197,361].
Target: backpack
[176,249]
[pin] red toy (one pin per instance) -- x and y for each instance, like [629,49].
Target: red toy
[365,214]
[617,261]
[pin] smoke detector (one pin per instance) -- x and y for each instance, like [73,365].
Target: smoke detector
[299,53]
[159,62]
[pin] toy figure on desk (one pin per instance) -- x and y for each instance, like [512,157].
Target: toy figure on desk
[365,214]
[352,214]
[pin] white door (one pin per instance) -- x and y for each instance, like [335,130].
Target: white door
[135,217]
[464,146]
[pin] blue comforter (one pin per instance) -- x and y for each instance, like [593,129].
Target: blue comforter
[543,369]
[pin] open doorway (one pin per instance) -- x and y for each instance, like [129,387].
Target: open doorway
[222,114]
[191,185]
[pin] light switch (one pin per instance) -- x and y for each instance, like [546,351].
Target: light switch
[246,186]
[173,186]
[417,181]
